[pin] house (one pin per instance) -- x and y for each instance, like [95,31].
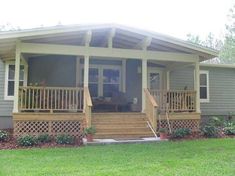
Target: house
[122,80]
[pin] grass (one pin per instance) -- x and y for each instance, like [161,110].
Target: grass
[203,157]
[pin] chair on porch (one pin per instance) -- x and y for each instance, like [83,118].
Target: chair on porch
[117,103]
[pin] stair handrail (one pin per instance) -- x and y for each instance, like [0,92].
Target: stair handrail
[151,109]
[149,125]
[167,119]
[87,106]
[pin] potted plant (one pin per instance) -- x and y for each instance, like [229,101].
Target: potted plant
[89,132]
[163,133]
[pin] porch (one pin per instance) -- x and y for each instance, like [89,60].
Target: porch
[99,73]
[55,110]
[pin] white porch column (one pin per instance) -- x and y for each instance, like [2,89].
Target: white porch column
[197,86]
[144,82]
[168,80]
[78,72]
[86,71]
[17,77]
[85,77]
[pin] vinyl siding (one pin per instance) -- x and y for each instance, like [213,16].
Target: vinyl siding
[181,78]
[56,71]
[133,81]
[221,91]
[221,88]
[6,122]
[6,106]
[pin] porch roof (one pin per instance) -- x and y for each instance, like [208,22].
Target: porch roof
[123,37]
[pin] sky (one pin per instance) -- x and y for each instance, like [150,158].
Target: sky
[172,17]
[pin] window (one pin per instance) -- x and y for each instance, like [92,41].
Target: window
[10,80]
[93,81]
[103,80]
[111,81]
[204,86]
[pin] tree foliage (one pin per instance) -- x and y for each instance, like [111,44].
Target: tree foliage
[226,46]
[227,53]
[210,42]
[9,27]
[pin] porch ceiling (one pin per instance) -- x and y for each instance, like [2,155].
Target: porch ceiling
[124,37]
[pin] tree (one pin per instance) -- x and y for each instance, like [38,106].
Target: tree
[8,27]
[227,53]
[210,42]
[226,47]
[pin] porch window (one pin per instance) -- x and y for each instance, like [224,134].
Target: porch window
[10,80]
[111,81]
[103,80]
[204,86]
[93,81]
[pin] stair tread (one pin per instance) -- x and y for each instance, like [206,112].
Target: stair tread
[124,133]
[121,125]
[122,136]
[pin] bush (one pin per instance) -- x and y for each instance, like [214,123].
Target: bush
[213,127]
[163,130]
[181,132]
[216,121]
[4,136]
[90,130]
[27,140]
[210,131]
[44,138]
[65,139]
[229,130]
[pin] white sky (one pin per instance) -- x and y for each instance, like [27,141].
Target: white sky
[172,17]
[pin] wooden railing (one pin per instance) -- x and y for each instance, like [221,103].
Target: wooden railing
[151,109]
[87,106]
[50,98]
[175,100]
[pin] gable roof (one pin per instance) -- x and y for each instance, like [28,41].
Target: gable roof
[126,37]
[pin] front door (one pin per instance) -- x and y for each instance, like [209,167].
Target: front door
[154,79]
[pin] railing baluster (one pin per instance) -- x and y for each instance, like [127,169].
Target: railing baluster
[175,100]
[50,98]
[62,105]
[55,95]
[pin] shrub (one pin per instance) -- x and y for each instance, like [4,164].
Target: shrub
[3,136]
[210,131]
[229,130]
[90,130]
[44,138]
[27,140]
[163,130]
[65,139]
[213,127]
[181,132]
[216,121]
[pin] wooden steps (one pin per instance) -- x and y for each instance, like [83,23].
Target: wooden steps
[121,125]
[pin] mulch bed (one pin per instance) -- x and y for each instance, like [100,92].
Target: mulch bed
[198,135]
[11,143]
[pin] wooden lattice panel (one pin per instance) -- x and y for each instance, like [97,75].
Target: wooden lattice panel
[192,124]
[30,127]
[66,127]
[53,128]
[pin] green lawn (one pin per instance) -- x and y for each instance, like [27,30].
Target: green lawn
[204,157]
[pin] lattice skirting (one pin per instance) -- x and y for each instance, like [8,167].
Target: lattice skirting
[192,124]
[53,128]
